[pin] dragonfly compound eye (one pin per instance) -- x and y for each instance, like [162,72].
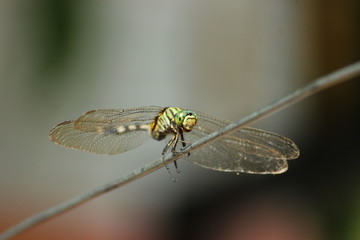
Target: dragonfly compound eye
[190,121]
[179,118]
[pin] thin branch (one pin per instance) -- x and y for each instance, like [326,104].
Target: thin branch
[320,84]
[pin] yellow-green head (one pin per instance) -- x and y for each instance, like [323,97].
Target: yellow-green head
[186,119]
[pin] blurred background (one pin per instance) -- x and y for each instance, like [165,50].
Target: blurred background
[227,58]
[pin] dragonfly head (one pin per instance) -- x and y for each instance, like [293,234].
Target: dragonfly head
[186,119]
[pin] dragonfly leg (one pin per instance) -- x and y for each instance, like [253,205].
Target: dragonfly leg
[176,166]
[183,143]
[171,142]
[176,140]
[173,150]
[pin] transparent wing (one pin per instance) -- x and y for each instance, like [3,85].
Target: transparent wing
[98,120]
[106,131]
[248,150]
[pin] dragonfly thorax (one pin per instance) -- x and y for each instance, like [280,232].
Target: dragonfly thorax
[172,120]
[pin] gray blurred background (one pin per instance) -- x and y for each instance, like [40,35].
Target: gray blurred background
[227,58]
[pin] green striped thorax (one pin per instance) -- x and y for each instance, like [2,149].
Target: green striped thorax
[186,119]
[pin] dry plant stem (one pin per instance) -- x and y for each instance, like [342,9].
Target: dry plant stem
[322,83]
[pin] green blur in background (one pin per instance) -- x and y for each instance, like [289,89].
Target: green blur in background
[228,58]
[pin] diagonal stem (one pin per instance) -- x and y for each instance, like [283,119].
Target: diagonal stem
[320,84]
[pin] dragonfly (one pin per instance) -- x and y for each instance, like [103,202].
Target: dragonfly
[113,131]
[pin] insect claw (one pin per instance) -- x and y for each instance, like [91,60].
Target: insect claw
[168,169]
[176,167]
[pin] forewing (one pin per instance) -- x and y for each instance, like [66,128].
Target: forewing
[106,131]
[105,119]
[246,150]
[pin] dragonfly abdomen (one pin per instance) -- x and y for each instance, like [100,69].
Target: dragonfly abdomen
[128,128]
